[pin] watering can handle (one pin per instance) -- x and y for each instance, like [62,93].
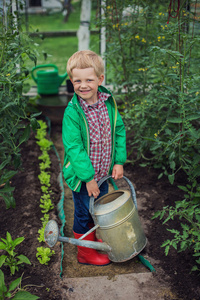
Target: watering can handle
[42,66]
[104,179]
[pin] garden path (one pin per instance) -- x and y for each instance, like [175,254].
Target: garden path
[119,281]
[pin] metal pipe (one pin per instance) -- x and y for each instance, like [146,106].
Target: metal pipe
[88,232]
[51,236]
[85,243]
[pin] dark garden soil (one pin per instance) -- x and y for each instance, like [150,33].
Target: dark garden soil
[152,195]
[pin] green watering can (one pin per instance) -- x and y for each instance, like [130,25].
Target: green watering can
[48,80]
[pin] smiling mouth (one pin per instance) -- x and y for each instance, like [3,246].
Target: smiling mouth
[85,91]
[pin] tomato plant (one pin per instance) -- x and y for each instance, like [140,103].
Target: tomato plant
[16,120]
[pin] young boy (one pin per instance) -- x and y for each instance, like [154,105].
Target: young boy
[94,140]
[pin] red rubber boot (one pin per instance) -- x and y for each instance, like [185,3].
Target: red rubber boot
[90,256]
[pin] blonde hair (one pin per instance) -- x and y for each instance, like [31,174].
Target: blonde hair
[85,59]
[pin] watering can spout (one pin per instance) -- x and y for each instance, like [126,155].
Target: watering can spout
[62,78]
[51,236]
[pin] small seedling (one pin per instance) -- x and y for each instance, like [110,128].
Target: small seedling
[44,220]
[44,255]
[44,144]
[44,178]
[12,260]
[46,203]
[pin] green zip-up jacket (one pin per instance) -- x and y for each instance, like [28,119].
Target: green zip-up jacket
[77,166]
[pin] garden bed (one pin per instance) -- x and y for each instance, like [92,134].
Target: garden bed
[24,220]
[152,195]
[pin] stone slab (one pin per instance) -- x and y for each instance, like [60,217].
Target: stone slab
[141,286]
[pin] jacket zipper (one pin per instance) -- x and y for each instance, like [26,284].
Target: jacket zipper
[114,126]
[87,130]
[88,148]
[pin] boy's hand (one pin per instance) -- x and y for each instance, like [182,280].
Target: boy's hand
[117,172]
[92,188]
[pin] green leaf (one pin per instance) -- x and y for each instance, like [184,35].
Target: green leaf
[195,268]
[7,189]
[34,124]
[25,135]
[13,269]
[175,120]
[196,233]
[183,188]
[196,194]
[165,243]
[167,250]
[168,131]
[174,231]
[2,260]
[193,117]
[194,133]
[143,165]
[196,172]
[2,246]
[18,111]
[24,295]
[18,241]
[5,162]
[156,215]
[172,156]
[7,201]
[185,227]
[172,165]
[8,294]
[9,175]
[24,259]
[4,240]
[162,214]
[9,238]
[36,114]
[171,178]
[2,282]
[14,284]
[183,245]
[174,244]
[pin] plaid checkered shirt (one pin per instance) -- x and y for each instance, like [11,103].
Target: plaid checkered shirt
[100,134]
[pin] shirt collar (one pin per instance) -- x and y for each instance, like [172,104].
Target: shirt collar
[102,97]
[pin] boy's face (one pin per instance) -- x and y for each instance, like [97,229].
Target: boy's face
[86,82]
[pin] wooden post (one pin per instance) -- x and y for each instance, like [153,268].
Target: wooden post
[14,9]
[83,33]
[103,38]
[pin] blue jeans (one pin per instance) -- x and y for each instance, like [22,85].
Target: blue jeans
[82,216]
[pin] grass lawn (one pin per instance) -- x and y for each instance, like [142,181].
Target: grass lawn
[54,22]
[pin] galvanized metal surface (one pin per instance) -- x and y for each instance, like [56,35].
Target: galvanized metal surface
[119,223]
[51,233]
[120,227]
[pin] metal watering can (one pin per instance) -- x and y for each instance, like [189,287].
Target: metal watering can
[48,81]
[117,221]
